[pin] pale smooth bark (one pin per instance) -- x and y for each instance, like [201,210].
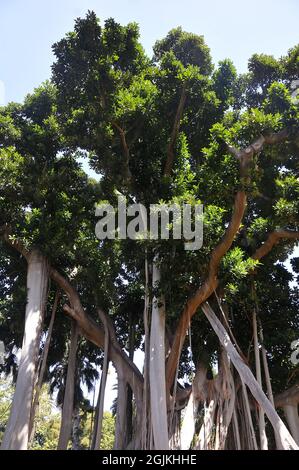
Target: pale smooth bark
[249,417]
[188,425]
[129,425]
[236,430]
[88,327]
[157,369]
[288,397]
[291,414]
[68,401]
[96,444]
[16,434]
[262,426]
[146,418]
[76,429]
[229,398]
[268,381]
[205,433]
[44,358]
[246,375]
[120,427]
[245,430]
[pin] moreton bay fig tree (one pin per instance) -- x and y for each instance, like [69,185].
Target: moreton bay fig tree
[215,324]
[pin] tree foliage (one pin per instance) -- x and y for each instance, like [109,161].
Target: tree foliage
[165,129]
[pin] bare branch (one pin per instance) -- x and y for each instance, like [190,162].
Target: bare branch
[273,238]
[94,333]
[234,151]
[106,320]
[207,288]
[258,144]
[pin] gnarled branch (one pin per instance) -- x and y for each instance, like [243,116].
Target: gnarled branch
[203,292]
[88,326]
[94,333]
[273,238]
[258,144]
[208,287]
[245,155]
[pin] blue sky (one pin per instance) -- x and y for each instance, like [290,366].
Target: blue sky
[232,28]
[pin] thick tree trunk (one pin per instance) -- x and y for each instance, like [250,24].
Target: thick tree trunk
[96,442]
[248,414]
[236,431]
[288,401]
[291,414]
[188,425]
[258,373]
[17,430]
[42,368]
[157,369]
[129,390]
[76,429]
[228,397]
[68,401]
[246,375]
[146,417]
[268,381]
[247,441]
[120,427]
[205,433]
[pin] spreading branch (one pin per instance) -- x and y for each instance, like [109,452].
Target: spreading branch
[273,238]
[94,333]
[257,146]
[89,328]
[208,287]
[244,156]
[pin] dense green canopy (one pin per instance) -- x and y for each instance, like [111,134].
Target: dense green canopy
[158,129]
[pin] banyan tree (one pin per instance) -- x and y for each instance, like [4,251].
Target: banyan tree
[216,325]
